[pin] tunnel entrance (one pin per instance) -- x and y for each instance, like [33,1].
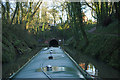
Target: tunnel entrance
[53,43]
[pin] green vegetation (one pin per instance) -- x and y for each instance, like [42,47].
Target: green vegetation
[28,25]
[103,44]
[14,43]
[110,29]
[17,49]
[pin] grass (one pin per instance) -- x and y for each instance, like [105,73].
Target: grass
[105,47]
[89,26]
[110,29]
[101,46]
[18,46]
[10,68]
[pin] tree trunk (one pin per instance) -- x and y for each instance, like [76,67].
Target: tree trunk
[8,12]
[18,14]
[15,12]
[3,12]
[117,10]
[75,30]
[81,23]
[106,3]
[21,7]
[32,15]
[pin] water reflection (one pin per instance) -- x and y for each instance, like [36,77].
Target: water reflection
[96,68]
[89,68]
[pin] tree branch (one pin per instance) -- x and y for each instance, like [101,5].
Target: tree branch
[36,10]
[15,12]
[90,6]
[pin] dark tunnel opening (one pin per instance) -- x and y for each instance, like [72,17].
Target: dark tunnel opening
[53,43]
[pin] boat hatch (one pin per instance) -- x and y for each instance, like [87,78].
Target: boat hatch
[56,57]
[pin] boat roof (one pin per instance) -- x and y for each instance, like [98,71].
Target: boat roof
[61,66]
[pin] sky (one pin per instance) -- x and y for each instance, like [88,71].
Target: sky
[87,10]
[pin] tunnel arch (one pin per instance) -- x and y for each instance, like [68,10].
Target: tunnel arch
[53,43]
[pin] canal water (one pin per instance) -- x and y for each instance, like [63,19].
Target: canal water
[95,68]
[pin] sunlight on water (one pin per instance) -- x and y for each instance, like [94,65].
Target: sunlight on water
[89,68]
